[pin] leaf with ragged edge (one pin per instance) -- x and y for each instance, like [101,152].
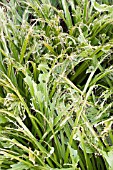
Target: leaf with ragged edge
[19,166]
[6,144]
[31,157]
[109,158]
[88,148]
[43,67]
[74,156]
[32,85]
[43,77]
[103,7]
[66,56]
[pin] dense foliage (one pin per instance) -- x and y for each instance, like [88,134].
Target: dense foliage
[56,85]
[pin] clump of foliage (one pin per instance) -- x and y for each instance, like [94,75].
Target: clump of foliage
[56,85]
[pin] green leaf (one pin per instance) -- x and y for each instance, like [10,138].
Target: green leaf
[24,46]
[19,166]
[109,158]
[3,119]
[67,14]
[103,7]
